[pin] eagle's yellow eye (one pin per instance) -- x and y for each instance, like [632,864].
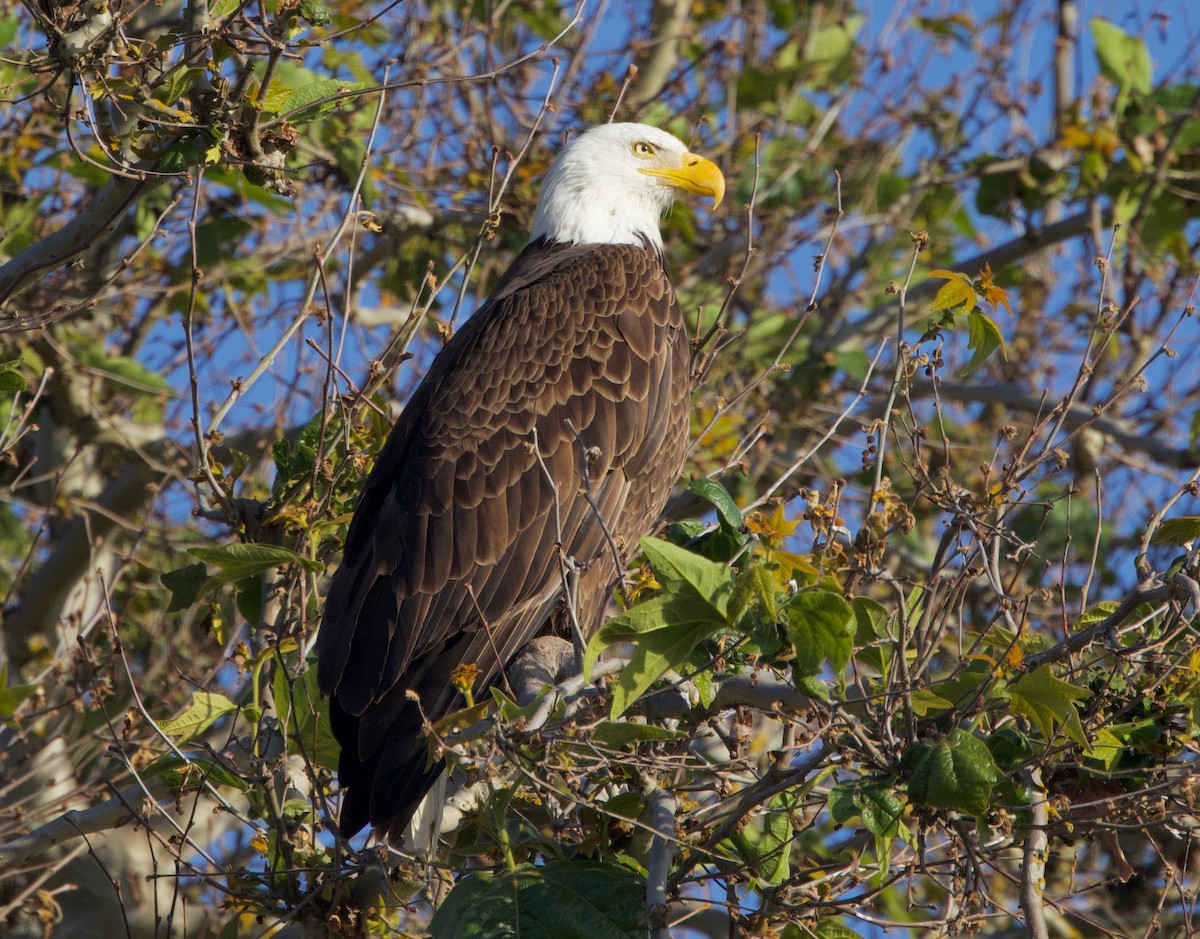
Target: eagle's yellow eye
[643,149]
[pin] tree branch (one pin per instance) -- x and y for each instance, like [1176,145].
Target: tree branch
[97,219]
[1130,439]
[1033,241]
[670,19]
[662,806]
[110,814]
[1033,871]
[45,594]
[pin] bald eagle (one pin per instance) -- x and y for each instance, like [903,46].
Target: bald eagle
[558,410]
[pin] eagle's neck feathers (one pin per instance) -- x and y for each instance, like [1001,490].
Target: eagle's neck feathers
[579,206]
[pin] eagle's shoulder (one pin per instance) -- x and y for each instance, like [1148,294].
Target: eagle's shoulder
[556,304]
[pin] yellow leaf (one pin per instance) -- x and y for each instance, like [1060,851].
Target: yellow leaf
[790,564]
[773,529]
[993,294]
[1102,140]
[289,513]
[1076,138]
[463,678]
[958,291]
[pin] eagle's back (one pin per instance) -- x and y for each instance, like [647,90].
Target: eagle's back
[452,556]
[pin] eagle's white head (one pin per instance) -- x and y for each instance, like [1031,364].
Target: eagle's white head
[612,184]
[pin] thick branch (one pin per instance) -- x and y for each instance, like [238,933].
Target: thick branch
[44,595]
[106,816]
[662,806]
[1128,438]
[670,19]
[95,220]
[1033,871]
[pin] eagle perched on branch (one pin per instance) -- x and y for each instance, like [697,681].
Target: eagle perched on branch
[555,418]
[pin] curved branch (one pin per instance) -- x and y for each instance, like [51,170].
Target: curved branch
[95,220]
[110,814]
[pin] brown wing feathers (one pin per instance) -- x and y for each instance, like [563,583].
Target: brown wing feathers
[457,518]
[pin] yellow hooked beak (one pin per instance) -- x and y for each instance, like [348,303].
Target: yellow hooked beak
[697,175]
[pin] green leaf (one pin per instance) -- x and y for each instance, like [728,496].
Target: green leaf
[676,566]
[17,224]
[684,622]
[186,584]
[1010,748]
[1123,59]
[177,83]
[305,714]
[1106,750]
[8,29]
[983,336]
[1105,608]
[509,710]
[974,680]
[619,734]
[122,370]
[237,561]
[625,805]
[1177,531]
[820,628]
[176,772]
[958,27]
[829,48]
[297,457]
[879,808]
[1049,702]
[923,701]
[666,628]
[958,291]
[702,678]
[13,697]
[766,843]
[813,686]
[12,381]
[719,498]
[871,619]
[308,104]
[206,709]
[829,928]
[315,12]
[1098,614]
[248,599]
[957,772]
[560,900]
[754,587]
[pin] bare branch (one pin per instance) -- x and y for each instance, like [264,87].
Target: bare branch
[110,814]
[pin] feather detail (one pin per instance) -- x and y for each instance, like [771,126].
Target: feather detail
[451,556]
